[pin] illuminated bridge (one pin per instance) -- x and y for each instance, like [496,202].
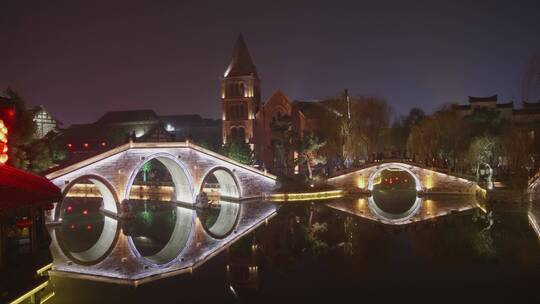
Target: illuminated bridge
[113,175]
[143,211]
[423,179]
[404,193]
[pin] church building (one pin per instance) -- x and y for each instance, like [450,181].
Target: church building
[245,117]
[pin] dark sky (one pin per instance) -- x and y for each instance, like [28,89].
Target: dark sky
[82,58]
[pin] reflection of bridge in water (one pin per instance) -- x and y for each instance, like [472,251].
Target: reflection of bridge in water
[403,193]
[160,239]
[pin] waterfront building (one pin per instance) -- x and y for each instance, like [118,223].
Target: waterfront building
[245,117]
[528,113]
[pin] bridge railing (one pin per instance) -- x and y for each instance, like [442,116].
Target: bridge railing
[386,161]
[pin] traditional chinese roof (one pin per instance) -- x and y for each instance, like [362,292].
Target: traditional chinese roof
[241,63]
[473,99]
[531,105]
[118,117]
[19,188]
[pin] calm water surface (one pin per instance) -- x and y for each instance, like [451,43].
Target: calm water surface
[310,251]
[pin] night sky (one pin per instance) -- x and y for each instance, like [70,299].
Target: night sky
[82,58]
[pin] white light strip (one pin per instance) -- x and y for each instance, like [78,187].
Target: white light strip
[146,145]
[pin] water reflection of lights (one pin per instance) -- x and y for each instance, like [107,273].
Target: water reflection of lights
[376,209]
[187,247]
[98,250]
[219,222]
[180,235]
[307,196]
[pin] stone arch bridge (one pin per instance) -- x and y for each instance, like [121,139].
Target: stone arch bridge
[113,172]
[426,180]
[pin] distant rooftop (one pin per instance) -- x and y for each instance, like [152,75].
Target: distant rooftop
[473,99]
[128,116]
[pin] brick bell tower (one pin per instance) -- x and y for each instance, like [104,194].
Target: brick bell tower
[240,96]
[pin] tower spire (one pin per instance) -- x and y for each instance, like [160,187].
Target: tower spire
[241,63]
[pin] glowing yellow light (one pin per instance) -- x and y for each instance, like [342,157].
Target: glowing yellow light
[3,142]
[481,208]
[43,269]
[362,203]
[377,180]
[361,182]
[308,196]
[46,298]
[429,181]
[30,293]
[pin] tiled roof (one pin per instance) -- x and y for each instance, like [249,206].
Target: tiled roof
[483,99]
[128,116]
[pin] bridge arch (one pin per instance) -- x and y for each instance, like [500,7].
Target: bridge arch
[181,178]
[227,180]
[380,168]
[110,228]
[107,191]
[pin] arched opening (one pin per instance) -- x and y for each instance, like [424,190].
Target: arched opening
[220,219]
[86,234]
[159,229]
[394,193]
[234,133]
[241,133]
[219,184]
[159,232]
[375,176]
[162,178]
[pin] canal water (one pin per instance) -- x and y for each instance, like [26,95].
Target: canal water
[393,246]
[308,251]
